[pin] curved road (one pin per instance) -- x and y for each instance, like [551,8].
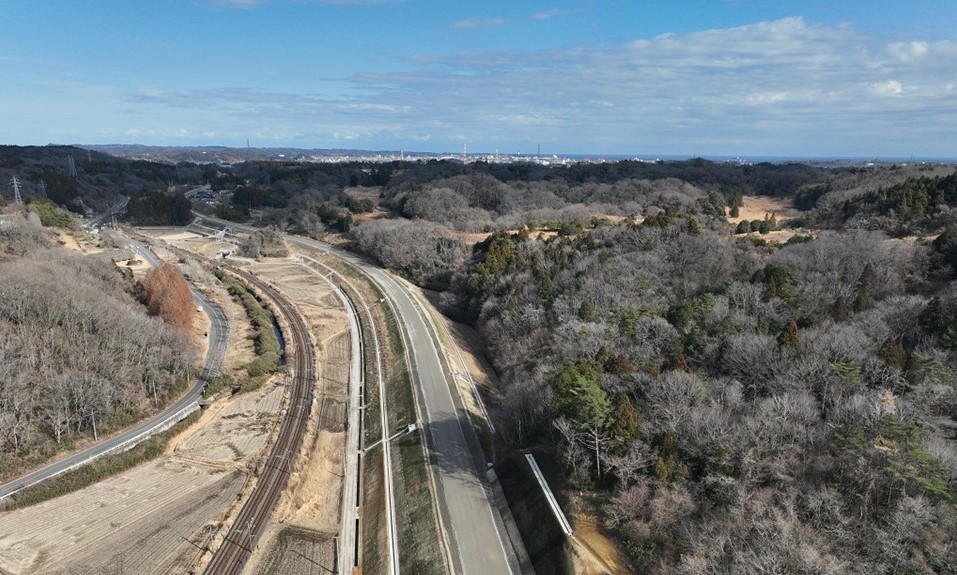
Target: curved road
[471,525]
[218,337]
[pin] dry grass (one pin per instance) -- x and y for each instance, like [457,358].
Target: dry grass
[759,207]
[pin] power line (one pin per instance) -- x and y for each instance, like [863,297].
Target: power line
[15,184]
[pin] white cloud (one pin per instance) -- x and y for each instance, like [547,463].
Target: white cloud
[366,106]
[779,87]
[472,23]
[908,51]
[549,14]
[889,88]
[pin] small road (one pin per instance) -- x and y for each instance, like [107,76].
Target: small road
[112,211]
[218,338]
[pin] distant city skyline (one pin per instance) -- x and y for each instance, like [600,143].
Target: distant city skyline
[810,78]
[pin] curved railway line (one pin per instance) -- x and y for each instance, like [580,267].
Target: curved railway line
[470,525]
[241,539]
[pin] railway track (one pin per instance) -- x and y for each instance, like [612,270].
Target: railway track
[241,539]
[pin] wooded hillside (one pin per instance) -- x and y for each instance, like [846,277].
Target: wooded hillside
[731,405]
[78,354]
[725,403]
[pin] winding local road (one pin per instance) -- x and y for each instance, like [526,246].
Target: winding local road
[218,337]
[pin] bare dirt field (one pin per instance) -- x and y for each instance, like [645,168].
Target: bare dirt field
[760,207]
[160,516]
[300,551]
[141,515]
[306,520]
[594,552]
[240,430]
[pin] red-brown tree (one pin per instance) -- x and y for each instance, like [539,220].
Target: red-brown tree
[167,296]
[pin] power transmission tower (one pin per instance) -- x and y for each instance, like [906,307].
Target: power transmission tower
[71,165]
[15,184]
[43,188]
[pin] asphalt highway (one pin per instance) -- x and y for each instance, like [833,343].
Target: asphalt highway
[471,525]
[475,543]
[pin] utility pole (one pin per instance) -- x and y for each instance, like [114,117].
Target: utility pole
[15,184]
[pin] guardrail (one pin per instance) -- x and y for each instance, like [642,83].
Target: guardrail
[552,502]
[130,443]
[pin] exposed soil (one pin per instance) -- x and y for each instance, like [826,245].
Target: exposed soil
[469,238]
[593,552]
[300,551]
[142,515]
[161,516]
[301,530]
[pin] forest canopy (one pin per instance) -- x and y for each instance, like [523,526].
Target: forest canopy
[78,354]
[776,395]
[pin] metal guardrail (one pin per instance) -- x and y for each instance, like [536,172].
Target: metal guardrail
[552,502]
[130,443]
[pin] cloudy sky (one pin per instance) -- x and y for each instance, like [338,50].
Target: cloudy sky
[849,78]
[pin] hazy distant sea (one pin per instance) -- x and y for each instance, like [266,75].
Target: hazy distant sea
[770,159]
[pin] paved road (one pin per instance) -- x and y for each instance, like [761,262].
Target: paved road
[112,211]
[470,522]
[218,338]
[471,526]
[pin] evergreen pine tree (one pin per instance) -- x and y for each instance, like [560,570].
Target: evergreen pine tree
[865,289]
[624,419]
[840,311]
[789,336]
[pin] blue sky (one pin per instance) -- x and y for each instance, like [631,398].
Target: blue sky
[847,78]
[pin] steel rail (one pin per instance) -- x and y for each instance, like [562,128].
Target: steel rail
[240,540]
